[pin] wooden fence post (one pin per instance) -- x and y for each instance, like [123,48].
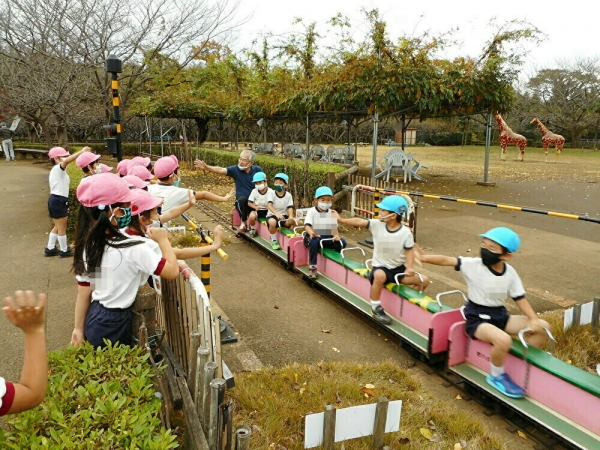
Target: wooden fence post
[242,437]
[329,427]
[210,369]
[379,425]
[576,315]
[217,396]
[192,361]
[202,357]
[596,314]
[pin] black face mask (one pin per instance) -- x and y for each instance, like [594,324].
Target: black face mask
[489,258]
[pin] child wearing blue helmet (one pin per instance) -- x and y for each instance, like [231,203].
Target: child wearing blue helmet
[393,253]
[280,208]
[321,223]
[490,279]
[258,201]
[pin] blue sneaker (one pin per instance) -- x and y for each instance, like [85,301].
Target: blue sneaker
[506,385]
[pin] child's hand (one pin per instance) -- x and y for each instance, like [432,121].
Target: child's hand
[200,165]
[409,272]
[191,198]
[230,195]
[157,234]
[218,235]
[535,325]
[25,312]
[279,216]
[86,149]
[77,337]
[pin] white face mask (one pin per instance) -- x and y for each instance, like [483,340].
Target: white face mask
[384,218]
[324,206]
[154,224]
[98,170]
[260,186]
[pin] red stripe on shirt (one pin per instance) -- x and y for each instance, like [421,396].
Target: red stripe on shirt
[8,399]
[160,266]
[83,283]
[131,232]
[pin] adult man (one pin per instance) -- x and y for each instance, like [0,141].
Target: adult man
[6,135]
[242,174]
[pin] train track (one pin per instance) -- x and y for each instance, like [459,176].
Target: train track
[204,207]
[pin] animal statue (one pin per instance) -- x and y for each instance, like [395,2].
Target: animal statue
[508,136]
[549,138]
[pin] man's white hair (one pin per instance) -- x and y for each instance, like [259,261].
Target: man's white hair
[250,153]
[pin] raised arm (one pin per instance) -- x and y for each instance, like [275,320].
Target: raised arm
[170,271]
[69,159]
[178,210]
[28,314]
[357,222]
[438,260]
[205,195]
[196,252]
[199,164]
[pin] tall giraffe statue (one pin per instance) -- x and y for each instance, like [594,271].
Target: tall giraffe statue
[508,136]
[549,138]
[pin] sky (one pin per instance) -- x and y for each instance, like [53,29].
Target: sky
[571,27]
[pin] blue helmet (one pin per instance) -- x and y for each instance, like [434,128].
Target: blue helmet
[282,176]
[394,203]
[506,237]
[258,177]
[322,191]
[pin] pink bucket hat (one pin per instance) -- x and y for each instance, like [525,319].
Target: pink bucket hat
[123,167]
[86,158]
[57,152]
[104,168]
[102,190]
[143,201]
[165,166]
[135,182]
[140,172]
[139,161]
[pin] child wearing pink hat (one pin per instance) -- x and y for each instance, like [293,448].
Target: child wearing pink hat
[167,171]
[144,216]
[135,183]
[123,167]
[141,161]
[87,162]
[110,265]
[104,168]
[58,203]
[140,172]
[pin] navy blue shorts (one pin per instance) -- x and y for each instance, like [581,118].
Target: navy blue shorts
[389,273]
[58,206]
[261,213]
[105,323]
[280,223]
[478,314]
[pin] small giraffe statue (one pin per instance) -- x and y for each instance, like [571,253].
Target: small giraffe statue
[508,136]
[549,138]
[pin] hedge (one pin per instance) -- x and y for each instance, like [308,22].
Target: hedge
[96,398]
[302,184]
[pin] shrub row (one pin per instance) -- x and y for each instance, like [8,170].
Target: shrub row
[96,399]
[303,183]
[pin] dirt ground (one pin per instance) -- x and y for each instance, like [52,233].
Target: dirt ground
[279,319]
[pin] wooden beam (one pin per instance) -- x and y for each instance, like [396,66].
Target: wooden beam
[345,173]
[192,422]
[174,393]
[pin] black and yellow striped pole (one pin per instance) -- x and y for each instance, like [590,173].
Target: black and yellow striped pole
[205,269]
[114,66]
[377,191]
[376,196]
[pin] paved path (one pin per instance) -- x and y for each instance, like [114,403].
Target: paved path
[24,223]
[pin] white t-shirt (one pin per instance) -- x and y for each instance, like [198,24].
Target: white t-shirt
[281,204]
[323,223]
[172,196]
[389,246]
[59,181]
[260,199]
[487,287]
[122,272]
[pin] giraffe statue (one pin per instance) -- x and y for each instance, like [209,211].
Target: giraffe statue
[549,138]
[508,136]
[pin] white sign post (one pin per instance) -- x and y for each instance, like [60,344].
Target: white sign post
[351,423]
[15,123]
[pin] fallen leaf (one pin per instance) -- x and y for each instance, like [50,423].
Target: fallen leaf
[320,342]
[276,307]
[521,434]
[436,438]
[403,440]
[334,349]
[426,432]
[368,391]
[323,330]
[457,446]
[337,398]
[458,397]
[256,428]
[391,381]
[431,425]
[420,398]
[463,443]
[370,386]
[302,391]
[296,377]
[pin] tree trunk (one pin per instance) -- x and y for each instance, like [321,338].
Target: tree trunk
[575,134]
[63,138]
[202,129]
[32,133]
[46,133]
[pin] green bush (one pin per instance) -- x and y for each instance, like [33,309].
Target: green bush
[302,184]
[96,399]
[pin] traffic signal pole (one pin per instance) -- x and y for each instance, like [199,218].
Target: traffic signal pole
[114,67]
